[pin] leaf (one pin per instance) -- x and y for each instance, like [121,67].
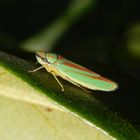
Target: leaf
[32,106]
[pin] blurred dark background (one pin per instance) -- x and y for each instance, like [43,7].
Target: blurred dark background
[105,39]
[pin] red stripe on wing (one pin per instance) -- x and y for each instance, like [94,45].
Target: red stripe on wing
[95,77]
[67,63]
[78,67]
[102,79]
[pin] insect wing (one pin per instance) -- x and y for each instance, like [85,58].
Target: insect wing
[84,76]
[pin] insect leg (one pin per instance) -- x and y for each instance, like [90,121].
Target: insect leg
[36,69]
[84,89]
[58,81]
[79,85]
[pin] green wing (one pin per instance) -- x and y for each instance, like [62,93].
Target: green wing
[84,76]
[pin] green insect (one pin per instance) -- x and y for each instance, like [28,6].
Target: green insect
[72,72]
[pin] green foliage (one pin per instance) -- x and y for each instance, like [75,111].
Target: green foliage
[87,106]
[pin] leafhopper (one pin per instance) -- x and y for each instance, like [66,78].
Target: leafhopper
[72,72]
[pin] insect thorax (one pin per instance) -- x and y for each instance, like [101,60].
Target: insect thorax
[51,57]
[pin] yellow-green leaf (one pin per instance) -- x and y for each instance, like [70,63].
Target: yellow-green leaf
[32,106]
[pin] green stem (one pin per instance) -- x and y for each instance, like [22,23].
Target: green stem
[46,39]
